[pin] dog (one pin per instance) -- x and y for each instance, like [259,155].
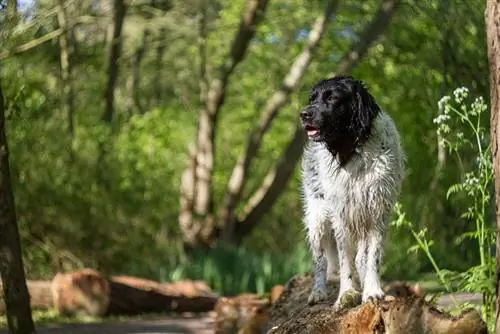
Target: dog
[352,170]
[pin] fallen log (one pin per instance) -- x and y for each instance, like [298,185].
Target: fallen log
[150,296]
[187,288]
[401,314]
[40,295]
[86,292]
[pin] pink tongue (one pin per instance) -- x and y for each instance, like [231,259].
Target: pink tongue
[312,133]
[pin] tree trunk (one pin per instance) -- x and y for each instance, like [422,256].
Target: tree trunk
[11,264]
[160,51]
[135,77]
[196,214]
[238,177]
[114,48]
[66,45]
[277,178]
[492,18]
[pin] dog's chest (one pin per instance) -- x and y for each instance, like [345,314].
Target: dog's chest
[356,192]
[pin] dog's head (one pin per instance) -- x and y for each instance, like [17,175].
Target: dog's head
[340,114]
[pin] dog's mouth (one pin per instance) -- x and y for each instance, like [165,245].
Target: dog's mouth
[312,131]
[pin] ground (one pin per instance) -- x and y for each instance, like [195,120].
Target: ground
[166,325]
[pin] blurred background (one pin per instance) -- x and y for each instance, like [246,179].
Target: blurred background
[158,138]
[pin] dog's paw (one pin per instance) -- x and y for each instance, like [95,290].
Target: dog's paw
[316,296]
[372,295]
[349,299]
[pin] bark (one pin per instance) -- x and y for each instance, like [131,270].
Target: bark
[11,264]
[277,178]
[492,18]
[66,45]
[196,216]
[238,177]
[114,51]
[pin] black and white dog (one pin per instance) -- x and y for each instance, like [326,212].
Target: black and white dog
[352,169]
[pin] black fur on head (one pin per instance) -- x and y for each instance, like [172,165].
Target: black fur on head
[340,114]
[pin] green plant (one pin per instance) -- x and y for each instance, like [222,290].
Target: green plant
[461,131]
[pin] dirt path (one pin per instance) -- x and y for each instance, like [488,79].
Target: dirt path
[158,326]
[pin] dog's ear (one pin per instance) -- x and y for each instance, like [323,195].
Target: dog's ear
[364,109]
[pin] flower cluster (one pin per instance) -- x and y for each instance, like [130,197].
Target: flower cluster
[456,109]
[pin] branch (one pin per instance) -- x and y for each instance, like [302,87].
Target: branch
[371,32]
[40,40]
[251,17]
[277,178]
[276,101]
[31,44]
[272,186]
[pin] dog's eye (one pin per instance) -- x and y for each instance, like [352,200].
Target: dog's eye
[331,98]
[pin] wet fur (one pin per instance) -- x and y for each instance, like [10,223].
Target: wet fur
[351,177]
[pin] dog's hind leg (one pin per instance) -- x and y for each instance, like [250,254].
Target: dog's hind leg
[332,257]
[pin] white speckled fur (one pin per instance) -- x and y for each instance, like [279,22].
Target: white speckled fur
[347,208]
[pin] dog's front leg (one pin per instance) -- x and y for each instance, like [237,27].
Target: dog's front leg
[348,295]
[372,288]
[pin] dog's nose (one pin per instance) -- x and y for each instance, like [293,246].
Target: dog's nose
[306,113]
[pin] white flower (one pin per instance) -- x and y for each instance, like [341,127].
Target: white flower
[460,94]
[478,106]
[443,102]
[441,119]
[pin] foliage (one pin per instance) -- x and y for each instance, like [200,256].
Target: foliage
[128,224]
[460,127]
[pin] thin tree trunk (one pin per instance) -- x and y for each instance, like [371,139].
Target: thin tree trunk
[11,264]
[238,177]
[160,51]
[66,45]
[114,48]
[371,32]
[196,216]
[492,20]
[277,178]
[135,77]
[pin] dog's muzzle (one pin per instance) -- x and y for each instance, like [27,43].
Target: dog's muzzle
[307,118]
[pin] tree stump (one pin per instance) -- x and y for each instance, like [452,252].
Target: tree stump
[408,313]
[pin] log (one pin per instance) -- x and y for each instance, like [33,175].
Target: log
[407,313]
[131,297]
[186,288]
[245,313]
[86,292]
[40,295]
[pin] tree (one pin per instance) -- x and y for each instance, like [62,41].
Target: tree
[196,216]
[11,264]
[198,223]
[114,40]
[67,48]
[492,19]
